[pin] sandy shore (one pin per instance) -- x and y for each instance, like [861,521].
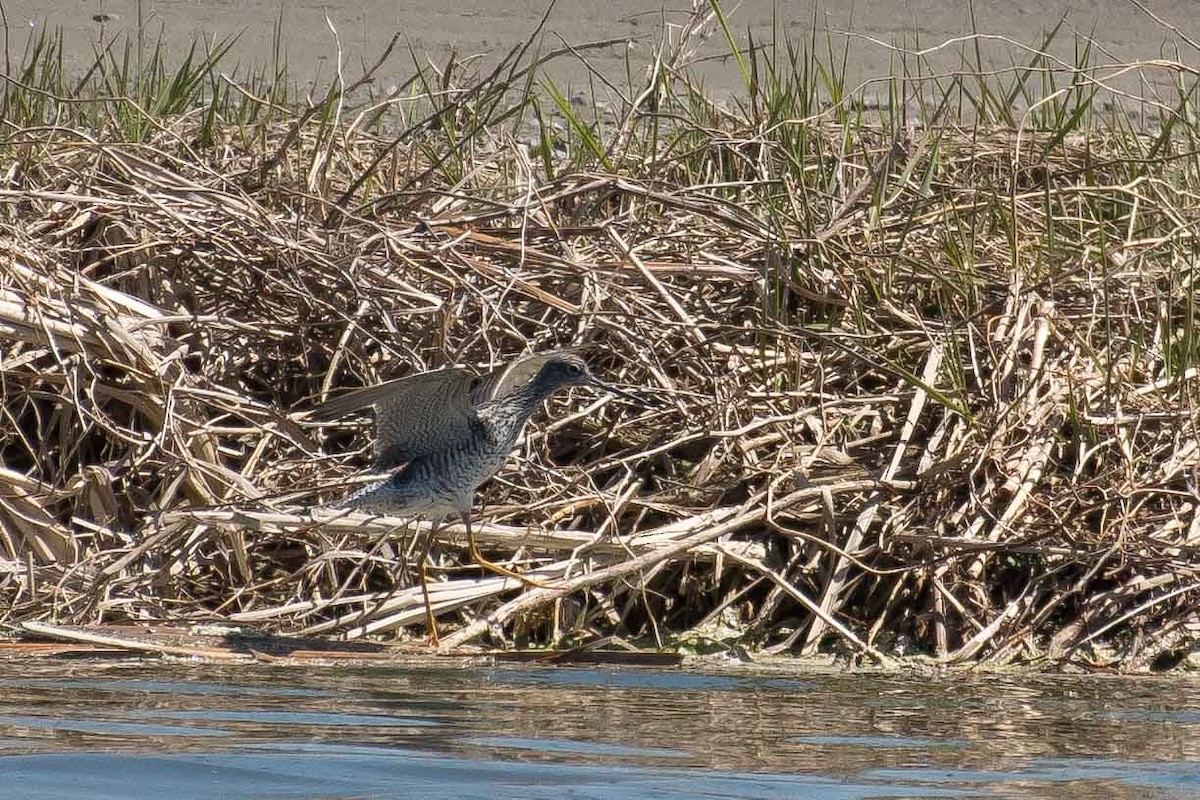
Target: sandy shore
[433,28]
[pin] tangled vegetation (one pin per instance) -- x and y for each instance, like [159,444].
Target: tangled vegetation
[924,369]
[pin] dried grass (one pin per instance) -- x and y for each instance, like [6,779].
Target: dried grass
[920,389]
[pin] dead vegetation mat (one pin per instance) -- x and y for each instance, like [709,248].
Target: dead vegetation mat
[943,405]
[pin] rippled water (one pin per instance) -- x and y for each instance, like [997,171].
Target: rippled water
[161,729]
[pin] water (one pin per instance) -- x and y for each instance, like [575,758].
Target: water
[176,730]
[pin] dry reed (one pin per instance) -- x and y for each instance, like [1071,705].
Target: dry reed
[919,389]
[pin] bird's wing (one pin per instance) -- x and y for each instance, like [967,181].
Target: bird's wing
[430,411]
[414,416]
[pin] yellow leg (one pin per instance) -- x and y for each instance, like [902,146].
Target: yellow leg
[492,566]
[430,620]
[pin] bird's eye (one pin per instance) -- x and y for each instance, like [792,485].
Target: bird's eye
[574,369]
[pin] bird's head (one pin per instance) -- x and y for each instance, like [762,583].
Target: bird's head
[568,369]
[563,370]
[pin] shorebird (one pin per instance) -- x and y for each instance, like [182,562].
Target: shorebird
[446,432]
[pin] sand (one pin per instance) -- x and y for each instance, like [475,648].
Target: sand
[434,28]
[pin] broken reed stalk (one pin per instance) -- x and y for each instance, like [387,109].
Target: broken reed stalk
[921,388]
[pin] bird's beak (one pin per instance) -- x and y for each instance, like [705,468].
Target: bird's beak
[624,395]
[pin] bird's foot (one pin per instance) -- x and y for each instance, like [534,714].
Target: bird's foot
[492,566]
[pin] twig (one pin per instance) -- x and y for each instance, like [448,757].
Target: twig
[68,635]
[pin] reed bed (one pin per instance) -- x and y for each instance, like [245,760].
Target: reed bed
[922,368]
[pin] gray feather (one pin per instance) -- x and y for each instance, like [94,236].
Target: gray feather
[431,412]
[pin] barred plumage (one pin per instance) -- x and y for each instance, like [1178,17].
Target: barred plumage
[446,432]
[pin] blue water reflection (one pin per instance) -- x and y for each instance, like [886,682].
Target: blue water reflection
[341,772]
[153,729]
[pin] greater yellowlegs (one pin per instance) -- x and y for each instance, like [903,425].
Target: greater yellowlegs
[446,432]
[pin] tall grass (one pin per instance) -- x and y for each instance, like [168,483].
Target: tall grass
[925,345]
